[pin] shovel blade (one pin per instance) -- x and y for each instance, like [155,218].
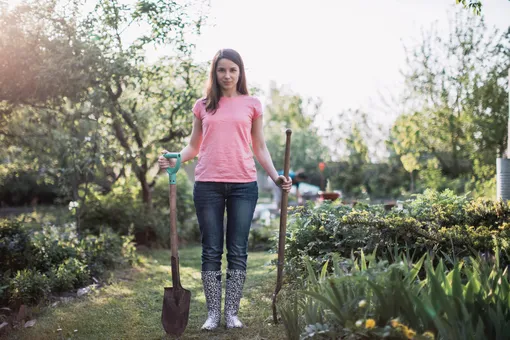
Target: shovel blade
[175,314]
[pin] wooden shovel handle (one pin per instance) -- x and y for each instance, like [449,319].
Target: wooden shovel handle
[174,239]
[284,204]
[283,225]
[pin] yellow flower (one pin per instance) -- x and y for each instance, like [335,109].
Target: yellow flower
[394,323]
[429,335]
[362,303]
[370,323]
[409,333]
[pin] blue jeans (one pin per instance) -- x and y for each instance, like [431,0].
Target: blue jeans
[211,199]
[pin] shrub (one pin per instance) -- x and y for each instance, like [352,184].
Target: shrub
[29,286]
[107,251]
[449,225]
[15,246]
[20,188]
[263,237]
[72,273]
[369,299]
[55,259]
[442,208]
[53,245]
[123,211]
[187,223]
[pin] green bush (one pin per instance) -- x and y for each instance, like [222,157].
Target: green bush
[365,298]
[264,237]
[107,251]
[450,225]
[187,223]
[72,273]
[123,211]
[442,208]
[29,286]
[5,281]
[15,246]
[55,259]
[53,245]
[20,188]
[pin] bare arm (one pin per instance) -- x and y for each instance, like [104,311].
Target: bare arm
[260,149]
[190,151]
[262,154]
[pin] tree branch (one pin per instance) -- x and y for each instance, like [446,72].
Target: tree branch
[434,152]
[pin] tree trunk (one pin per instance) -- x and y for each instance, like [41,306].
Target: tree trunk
[147,235]
[76,198]
[411,188]
[146,192]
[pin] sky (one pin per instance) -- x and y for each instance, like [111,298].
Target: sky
[345,52]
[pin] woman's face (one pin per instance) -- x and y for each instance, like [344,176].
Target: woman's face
[227,73]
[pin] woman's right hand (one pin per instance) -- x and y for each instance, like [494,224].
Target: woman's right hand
[166,163]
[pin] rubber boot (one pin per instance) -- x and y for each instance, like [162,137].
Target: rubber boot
[212,290]
[233,295]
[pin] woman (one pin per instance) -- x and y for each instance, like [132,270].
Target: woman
[226,123]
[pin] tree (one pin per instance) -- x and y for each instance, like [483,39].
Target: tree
[85,66]
[286,109]
[457,98]
[475,5]
[410,143]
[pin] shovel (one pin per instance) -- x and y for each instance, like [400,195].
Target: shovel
[283,225]
[176,300]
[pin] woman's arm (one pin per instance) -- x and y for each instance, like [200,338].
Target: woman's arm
[262,154]
[190,151]
[260,149]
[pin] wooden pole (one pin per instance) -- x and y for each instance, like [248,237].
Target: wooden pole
[508,124]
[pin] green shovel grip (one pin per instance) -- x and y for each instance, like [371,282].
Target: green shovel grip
[173,171]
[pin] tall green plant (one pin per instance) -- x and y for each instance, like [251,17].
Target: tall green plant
[365,298]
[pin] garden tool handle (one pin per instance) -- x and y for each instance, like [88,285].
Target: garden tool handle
[172,171]
[283,225]
[174,239]
[284,202]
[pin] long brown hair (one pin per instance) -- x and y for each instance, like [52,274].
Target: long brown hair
[213,90]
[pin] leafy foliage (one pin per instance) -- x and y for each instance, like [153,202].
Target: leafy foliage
[457,108]
[120,110]
[122,211]
[366,298]
[54,259]
[474,5]
[447,224]
[289,110]
[29,286]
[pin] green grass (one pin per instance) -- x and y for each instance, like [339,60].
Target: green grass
[130,307]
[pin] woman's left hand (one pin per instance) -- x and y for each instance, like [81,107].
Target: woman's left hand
[284,183]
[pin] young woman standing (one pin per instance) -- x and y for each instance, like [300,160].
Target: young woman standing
[227,125]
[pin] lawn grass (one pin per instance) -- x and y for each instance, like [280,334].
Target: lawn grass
[130,307]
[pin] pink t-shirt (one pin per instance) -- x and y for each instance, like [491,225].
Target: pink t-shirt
[225,154]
